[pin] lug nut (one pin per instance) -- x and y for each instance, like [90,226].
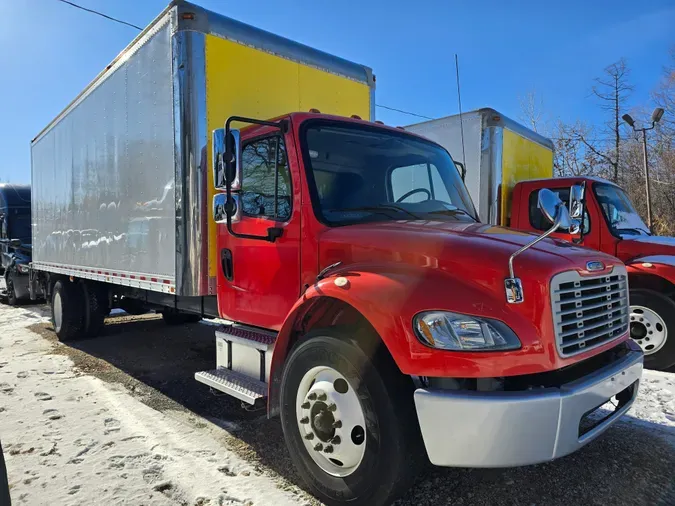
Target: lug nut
[309,436]
[322,397]
[304,420]
[332,407]
[312,396]
[318,447]
[336,440]
[337,424]
[329,449]
[305,405]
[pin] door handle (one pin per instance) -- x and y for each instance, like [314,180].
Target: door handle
[226,263]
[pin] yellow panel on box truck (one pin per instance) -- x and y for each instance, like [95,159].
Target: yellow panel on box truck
[245,80]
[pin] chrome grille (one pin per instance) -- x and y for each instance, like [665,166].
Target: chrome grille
[588,311]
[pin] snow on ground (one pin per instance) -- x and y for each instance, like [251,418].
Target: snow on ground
[656,402]
[71,439]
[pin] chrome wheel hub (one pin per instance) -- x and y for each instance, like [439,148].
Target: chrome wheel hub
[331,421]
[647,329]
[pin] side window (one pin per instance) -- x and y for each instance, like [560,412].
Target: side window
[537,218]
[258,181]
[422,176]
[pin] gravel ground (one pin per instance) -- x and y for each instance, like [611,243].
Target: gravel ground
[632,464]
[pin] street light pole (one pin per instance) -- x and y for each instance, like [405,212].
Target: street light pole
[656,117]
[649,198]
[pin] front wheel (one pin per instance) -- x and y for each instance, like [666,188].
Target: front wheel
[652,326]
[349,421]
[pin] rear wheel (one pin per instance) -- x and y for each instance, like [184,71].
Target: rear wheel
[67,310]
[95,308]
[349,421]
[11,293]
[652,326]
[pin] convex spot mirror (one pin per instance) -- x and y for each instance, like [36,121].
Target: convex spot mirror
[221,208]
[227,159]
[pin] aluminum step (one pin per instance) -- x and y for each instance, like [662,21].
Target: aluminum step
[234,383]
[248,336]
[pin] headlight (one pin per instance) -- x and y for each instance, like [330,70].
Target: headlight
[453,331]
[22,268]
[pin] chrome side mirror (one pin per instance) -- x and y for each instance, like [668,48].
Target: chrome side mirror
[576,204]
[556,212]
[549,204]
[226,160]
[221,208]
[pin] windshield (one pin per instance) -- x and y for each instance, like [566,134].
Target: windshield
[622,217]
[361,174]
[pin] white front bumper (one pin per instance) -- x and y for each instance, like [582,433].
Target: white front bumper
[505,429]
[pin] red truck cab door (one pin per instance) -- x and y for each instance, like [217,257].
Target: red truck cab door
[527,216]
[258,280]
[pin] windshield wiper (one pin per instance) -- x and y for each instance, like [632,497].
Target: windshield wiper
[453,211]
[378,208]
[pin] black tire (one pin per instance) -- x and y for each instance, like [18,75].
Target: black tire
[172,317]
[394,452]
[71,303]
[95,309]
[11,293]
[664,358]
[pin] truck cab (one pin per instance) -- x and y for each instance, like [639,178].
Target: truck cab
[15,240]
[368,303]
[612,225]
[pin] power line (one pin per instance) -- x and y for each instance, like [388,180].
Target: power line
[402,111]
[139,28]
[100,14]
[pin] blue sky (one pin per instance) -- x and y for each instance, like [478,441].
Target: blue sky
[506,48]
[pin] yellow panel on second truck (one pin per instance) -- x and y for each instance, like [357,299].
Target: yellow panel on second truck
[522,159]
[244,81]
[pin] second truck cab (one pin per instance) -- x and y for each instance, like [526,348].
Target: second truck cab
[612,225]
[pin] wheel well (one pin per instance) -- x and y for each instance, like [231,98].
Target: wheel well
[652,282]
[320,313]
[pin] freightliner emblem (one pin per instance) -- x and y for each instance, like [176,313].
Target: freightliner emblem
[595,266]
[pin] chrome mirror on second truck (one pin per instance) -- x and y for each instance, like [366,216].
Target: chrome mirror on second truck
[226,162]
[576,204]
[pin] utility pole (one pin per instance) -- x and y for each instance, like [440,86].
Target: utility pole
[656,117]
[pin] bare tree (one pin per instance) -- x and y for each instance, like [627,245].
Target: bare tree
[664,96]
[531,111]
[613,89]
[572,155]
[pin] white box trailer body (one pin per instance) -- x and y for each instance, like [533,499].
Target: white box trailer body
[497,153]
[121,178]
